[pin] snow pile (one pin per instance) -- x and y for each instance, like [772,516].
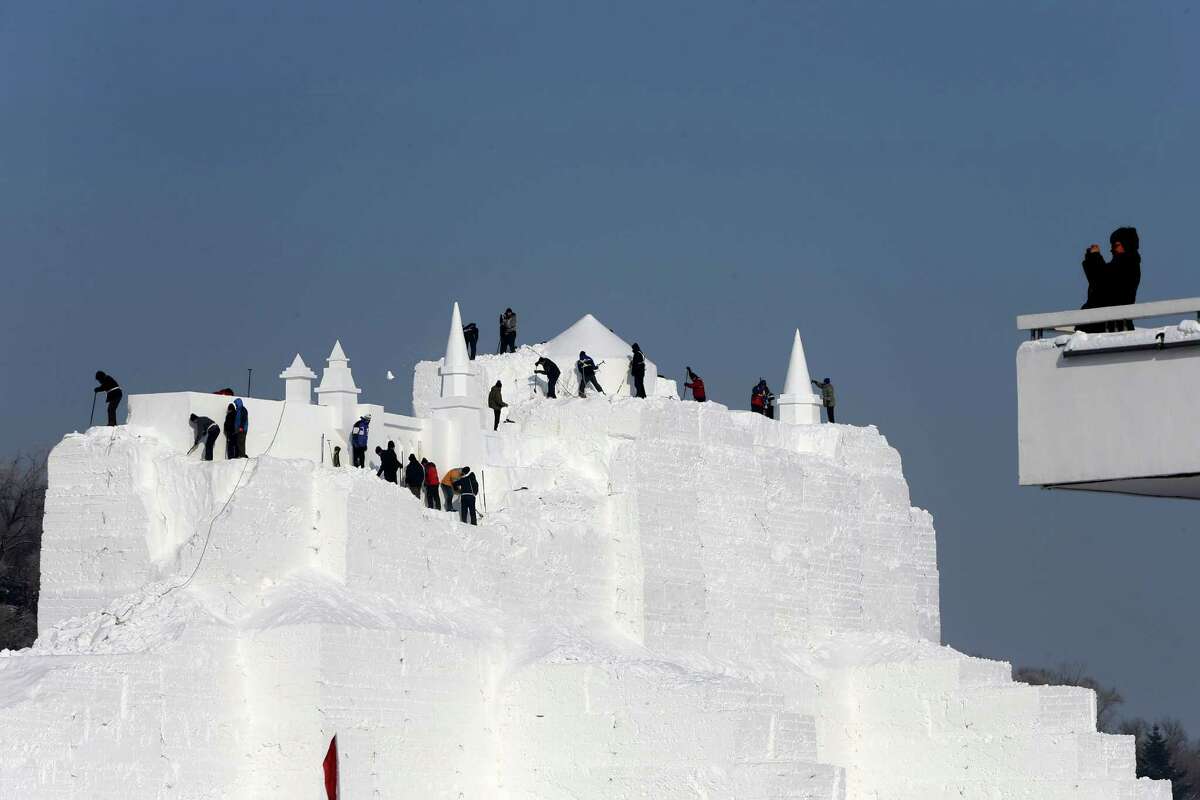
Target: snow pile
[1184,333]
[146,619]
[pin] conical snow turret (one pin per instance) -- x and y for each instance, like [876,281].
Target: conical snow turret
[456,366]
[337,388]
[297,382]
[798,405]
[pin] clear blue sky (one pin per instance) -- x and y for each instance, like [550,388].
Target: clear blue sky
[188,190]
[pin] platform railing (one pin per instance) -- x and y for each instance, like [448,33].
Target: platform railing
[1036,324]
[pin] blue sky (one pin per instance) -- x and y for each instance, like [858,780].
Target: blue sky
[189,190]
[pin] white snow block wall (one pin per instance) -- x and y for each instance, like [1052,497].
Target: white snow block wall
[664,599]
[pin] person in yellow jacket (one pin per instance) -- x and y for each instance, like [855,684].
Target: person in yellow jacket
[448,487]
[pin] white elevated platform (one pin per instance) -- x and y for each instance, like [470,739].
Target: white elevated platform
[1111,412]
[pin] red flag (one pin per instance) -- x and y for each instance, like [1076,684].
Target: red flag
[331,770]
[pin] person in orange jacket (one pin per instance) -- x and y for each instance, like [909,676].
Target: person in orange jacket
[448,487]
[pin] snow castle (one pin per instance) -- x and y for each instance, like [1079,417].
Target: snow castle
[664,599]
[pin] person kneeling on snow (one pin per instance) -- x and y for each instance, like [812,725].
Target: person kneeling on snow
[467,488]
[414,475]
[207,430]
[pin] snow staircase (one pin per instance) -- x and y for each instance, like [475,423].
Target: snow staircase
[976,733]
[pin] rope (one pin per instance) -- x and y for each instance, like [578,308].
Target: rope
[236,487]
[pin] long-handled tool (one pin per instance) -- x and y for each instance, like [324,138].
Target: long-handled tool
[92,416]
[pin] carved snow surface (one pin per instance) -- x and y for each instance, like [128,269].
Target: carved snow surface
[663,599]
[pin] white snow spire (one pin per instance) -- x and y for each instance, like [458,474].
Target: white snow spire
[456,346]
[797,381]
[297,382]
[337,388]
[456,367]
[798,405]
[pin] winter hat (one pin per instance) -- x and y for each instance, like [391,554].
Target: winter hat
[1126,236]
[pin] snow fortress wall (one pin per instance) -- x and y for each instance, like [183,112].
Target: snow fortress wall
[664,599]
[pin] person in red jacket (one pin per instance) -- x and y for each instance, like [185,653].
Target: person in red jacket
[696,385]
[432,498]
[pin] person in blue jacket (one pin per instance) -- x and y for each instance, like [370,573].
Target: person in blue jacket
[587,374]
[241,424]
[358,441]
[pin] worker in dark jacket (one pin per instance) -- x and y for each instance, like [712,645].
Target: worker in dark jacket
[761,399]
[467,487]
[207,430]
[471,337]
[551,371]
[508,331]
[758,397]
[496,402]
[359,436]
[242,425]
[695,383]
[414,475]
[587,374]
[637,368]
[389,463]
[230,431]
[112,395]
[432,500]
[827,398]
